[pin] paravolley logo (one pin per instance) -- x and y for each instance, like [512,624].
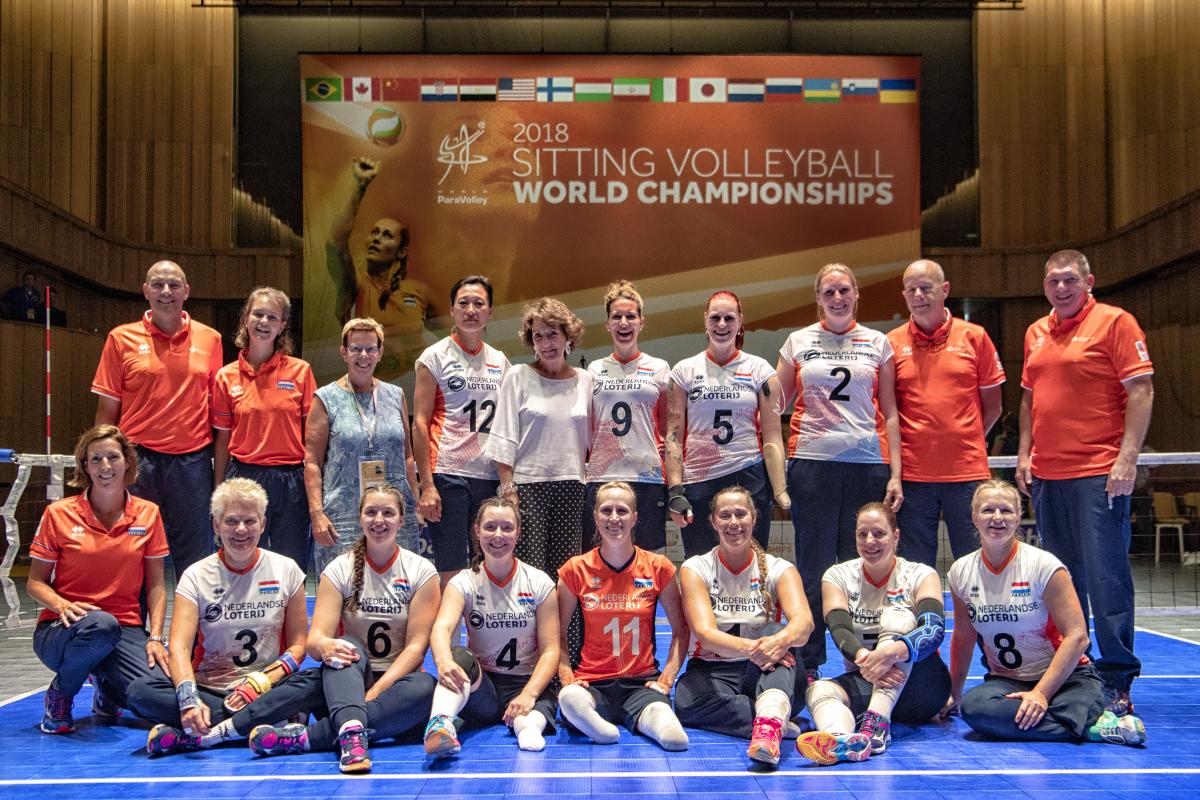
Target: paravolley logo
[455,152]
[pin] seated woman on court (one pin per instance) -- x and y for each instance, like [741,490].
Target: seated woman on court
[1018,602]
[616,586]
[91,557]
[382,600]
[247,607]
[504,673]
[740,678]
[886,617]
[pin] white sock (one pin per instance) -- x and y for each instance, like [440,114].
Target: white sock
[827,704]
[350,723]
[884,700]
[579,709]
[773,703]
[448,702]
[529,728]
[218,733]
[659,722]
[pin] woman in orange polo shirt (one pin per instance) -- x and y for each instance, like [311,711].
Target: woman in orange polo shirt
[260,404]
[91,557]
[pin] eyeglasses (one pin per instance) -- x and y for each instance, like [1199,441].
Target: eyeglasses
[359,350]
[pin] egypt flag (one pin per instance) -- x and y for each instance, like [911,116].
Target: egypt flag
[364,89]
[476,90]
[707,90]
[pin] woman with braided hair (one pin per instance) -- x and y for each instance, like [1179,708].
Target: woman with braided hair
[740,678]
[886,617]
[384,600]
[510,610]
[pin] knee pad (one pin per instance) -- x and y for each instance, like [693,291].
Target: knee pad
[470,664]
[824,692]
[896,621]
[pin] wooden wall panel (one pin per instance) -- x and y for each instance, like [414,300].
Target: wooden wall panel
[1089,116]
[147,123]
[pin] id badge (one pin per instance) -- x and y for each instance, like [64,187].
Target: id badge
[371,473]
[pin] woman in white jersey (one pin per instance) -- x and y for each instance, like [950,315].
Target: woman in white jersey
[511,613]
[844,447]
[887,619]
[539,440]
[740,679]
[629,415]
[454,403]
[246,609]
[382,599]
[617,588]
[1018,603]
[722,429]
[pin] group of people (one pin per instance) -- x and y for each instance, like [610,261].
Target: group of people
[546,490]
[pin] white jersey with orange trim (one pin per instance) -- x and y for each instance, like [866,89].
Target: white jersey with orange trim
[736,597]
[866,600]
[1008,610]
[836,416]
[241,615]
[381,621]
[463,407]
[723,433]
[501,616]
[627,444]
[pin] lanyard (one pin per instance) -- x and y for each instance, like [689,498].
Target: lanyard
[368,430]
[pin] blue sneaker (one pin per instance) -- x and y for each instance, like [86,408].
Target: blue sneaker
[1117,701]
[103,709]
[57,716]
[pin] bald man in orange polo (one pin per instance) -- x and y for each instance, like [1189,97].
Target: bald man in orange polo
[154,382]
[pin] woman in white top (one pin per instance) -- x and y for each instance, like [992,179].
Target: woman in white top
[382,600]
[237,637]
[540,437]
[740,678]
[887,619]
[510,610]
[454,403]
[629,414]
[844,448]
[723,429]
[1018,603]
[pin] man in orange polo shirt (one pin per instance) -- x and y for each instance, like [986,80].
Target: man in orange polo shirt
[948,380]
[154,381]
[1086,405]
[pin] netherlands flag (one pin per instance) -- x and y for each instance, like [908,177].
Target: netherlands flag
[643,583]
[895,595]
[402,584]
[860,341]
[743,377]
[494,369]
[645,370]
[268,587]
[746,90]
[755,584]
[525,598]
[1020,589]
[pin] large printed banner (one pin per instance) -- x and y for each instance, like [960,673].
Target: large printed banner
[555,175]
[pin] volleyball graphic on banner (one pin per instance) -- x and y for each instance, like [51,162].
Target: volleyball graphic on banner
[385,126]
